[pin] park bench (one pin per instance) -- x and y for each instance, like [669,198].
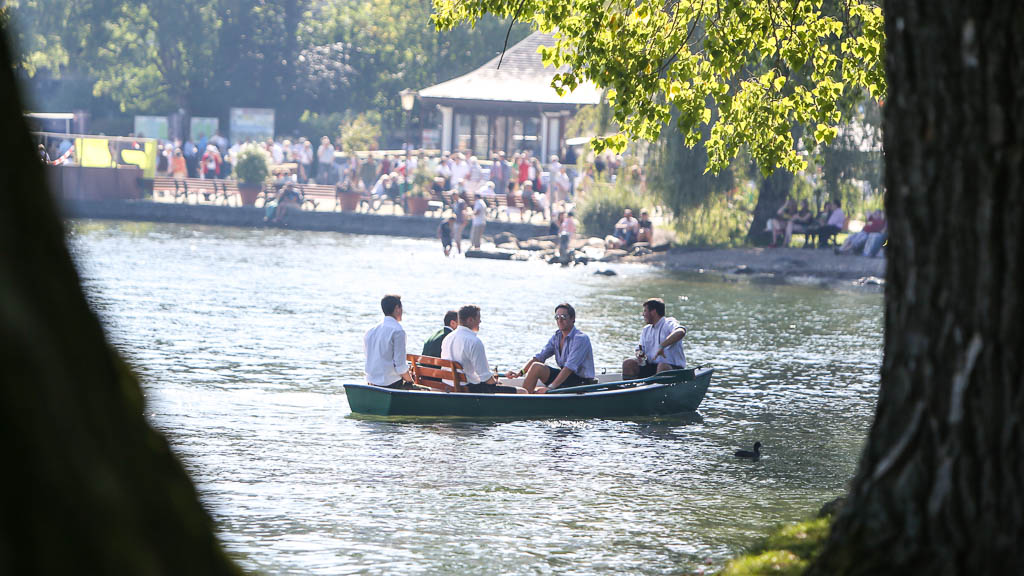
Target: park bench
[436,203]
[173,186]
[229,190]
[207,188]
[430,371]
[314,194]
[811,234]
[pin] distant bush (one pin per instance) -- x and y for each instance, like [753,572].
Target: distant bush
[315,125]
[252,164]
[603,206]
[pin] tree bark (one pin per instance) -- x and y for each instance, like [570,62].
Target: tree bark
[770,197]
[940,487]
[90,487]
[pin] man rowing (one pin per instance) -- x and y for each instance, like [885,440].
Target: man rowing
[661,344]
[573,354]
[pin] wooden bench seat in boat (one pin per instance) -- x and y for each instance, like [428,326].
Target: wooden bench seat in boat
[430,371]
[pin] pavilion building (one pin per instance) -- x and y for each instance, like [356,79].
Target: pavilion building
[511,108]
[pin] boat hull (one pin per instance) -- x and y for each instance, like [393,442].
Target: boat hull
[680,394]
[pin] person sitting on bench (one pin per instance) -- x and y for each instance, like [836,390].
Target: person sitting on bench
[661,344]
[464,347]
[573,354]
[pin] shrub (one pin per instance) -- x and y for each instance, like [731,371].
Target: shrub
[252,164]
[421,180]
[603,206]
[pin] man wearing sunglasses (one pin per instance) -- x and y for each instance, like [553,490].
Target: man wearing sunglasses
[573,356]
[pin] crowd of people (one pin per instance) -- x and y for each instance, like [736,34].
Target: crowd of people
[659,349]
[831,220]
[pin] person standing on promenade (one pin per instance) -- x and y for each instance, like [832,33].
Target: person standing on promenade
[325,159]
[459,210]
[384,346]
[566,233]
[499,171]
[432,347]
[661,344]
[479,222]
[573,354]
[464,347]
[444,232]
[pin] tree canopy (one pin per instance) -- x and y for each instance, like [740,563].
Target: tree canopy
[121,57]
[749,70]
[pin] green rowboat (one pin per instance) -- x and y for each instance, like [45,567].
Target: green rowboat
[669,392]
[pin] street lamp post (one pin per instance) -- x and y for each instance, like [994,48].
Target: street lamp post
[408,101]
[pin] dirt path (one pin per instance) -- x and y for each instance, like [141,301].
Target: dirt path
[785,264]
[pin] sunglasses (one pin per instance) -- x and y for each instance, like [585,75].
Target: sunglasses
[561,316]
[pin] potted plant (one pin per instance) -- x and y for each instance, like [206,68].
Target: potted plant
[418,197]
[252,168]
[347,195]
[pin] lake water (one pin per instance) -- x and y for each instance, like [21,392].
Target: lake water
[243,339]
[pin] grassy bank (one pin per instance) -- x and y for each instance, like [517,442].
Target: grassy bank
[787,551]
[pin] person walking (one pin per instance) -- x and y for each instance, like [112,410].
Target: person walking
[479,222]
[566,233]
[459,211]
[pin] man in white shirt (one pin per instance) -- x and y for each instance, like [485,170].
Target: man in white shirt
[276,153]
[479,222]
[834,225]
[325,156]
[460,170]
[661,344]
[384,346]
[464,347]
[626,230]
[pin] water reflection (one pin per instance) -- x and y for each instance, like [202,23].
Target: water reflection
[244,337]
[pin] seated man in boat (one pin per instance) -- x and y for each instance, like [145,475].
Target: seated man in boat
[661,344]
[432,347]
[464,347]
[573,355]
[384,345]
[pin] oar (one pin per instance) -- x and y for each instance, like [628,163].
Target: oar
[666,377]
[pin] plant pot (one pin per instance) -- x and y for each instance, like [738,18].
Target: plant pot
[350,201]
[417,205]
[249,193]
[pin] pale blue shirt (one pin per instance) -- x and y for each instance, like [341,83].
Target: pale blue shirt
[576,354]
[654,334]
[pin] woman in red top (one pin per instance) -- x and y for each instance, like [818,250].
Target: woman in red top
[523,168]
[210,162]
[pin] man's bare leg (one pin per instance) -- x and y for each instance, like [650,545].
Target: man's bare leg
[630,368]
[537,372]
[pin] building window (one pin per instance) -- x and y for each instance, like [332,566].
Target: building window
[525,135]
[499,134]
[463,132]
[480,136]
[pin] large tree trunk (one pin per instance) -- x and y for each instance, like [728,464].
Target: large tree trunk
[940,488]
[89,486]
[770,197]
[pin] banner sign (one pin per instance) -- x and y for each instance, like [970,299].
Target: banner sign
[151,127]
[251,124]
[203,127]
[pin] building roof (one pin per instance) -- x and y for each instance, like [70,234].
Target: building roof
[522,78]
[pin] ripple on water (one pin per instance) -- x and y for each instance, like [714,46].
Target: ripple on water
[244,337]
